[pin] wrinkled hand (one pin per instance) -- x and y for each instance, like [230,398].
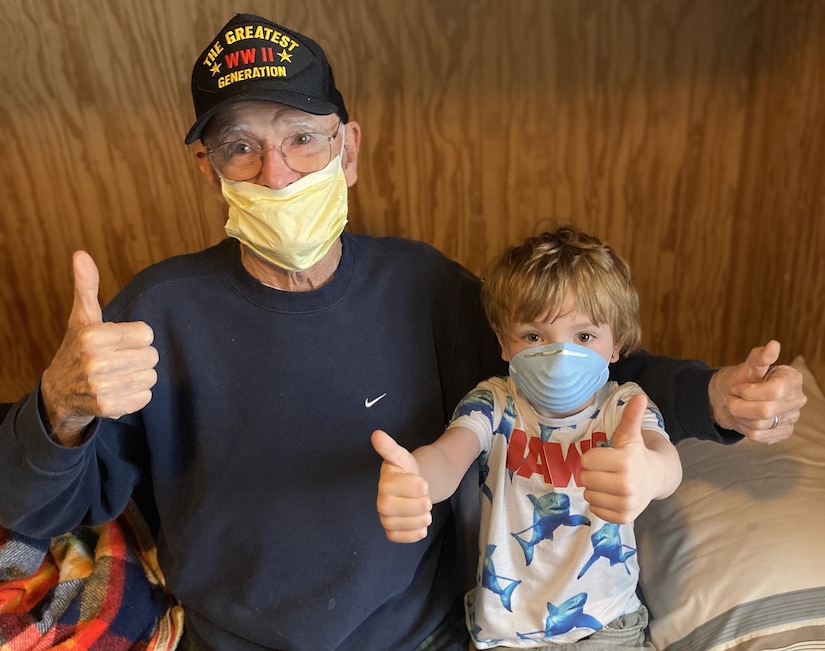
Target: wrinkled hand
[621,480]
[404,504]
[749,396]
[101,369]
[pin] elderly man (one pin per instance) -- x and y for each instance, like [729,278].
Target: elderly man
[243,382]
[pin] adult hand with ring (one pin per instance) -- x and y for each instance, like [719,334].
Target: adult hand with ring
[758,398]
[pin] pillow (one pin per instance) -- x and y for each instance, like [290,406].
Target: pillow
[733,560]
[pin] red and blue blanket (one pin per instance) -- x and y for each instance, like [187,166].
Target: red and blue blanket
[97,588]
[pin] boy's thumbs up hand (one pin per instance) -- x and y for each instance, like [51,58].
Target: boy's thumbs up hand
[629,432]
[403,503]
[617,479]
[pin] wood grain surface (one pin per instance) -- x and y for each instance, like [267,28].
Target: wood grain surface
[689,134]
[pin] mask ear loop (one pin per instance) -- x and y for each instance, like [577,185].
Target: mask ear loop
[342,130]
[511,370]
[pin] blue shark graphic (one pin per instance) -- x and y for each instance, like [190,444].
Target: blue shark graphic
[475,631]
[481,401]
[550,511]
[659,420]
[564,618]
[607,543]
[490,580]
[483,473]
[546,431]
[508,418]
[478,400]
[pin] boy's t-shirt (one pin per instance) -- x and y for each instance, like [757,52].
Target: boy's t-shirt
[549,570]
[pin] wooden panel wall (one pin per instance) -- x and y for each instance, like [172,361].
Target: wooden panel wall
[688,134]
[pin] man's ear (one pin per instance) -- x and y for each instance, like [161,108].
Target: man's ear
[349,157]
[205,165]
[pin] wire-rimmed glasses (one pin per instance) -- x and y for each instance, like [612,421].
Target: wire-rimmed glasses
[243,160]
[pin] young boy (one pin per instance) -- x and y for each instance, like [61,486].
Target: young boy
[567,459]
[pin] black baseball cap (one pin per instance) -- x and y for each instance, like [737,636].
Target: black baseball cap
[252,58]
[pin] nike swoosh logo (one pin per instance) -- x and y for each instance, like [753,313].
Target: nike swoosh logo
[369,403]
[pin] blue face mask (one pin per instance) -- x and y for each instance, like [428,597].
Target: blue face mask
[558,377]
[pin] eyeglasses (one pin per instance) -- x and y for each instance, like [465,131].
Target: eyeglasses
[304,152]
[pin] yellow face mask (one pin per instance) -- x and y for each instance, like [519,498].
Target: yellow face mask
[295,227]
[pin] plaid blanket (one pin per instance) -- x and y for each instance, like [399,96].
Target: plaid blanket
[97,588]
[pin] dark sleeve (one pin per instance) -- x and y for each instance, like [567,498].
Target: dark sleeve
[467,348]
[47,489]
[679,387]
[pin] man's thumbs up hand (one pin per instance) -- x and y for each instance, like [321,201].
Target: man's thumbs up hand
[757,398]
[86,307]
[101,369]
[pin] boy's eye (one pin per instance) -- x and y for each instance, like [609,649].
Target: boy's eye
[532,338]
[585,337]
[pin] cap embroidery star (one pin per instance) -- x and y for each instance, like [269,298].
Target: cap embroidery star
[284,56]
[215,69]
